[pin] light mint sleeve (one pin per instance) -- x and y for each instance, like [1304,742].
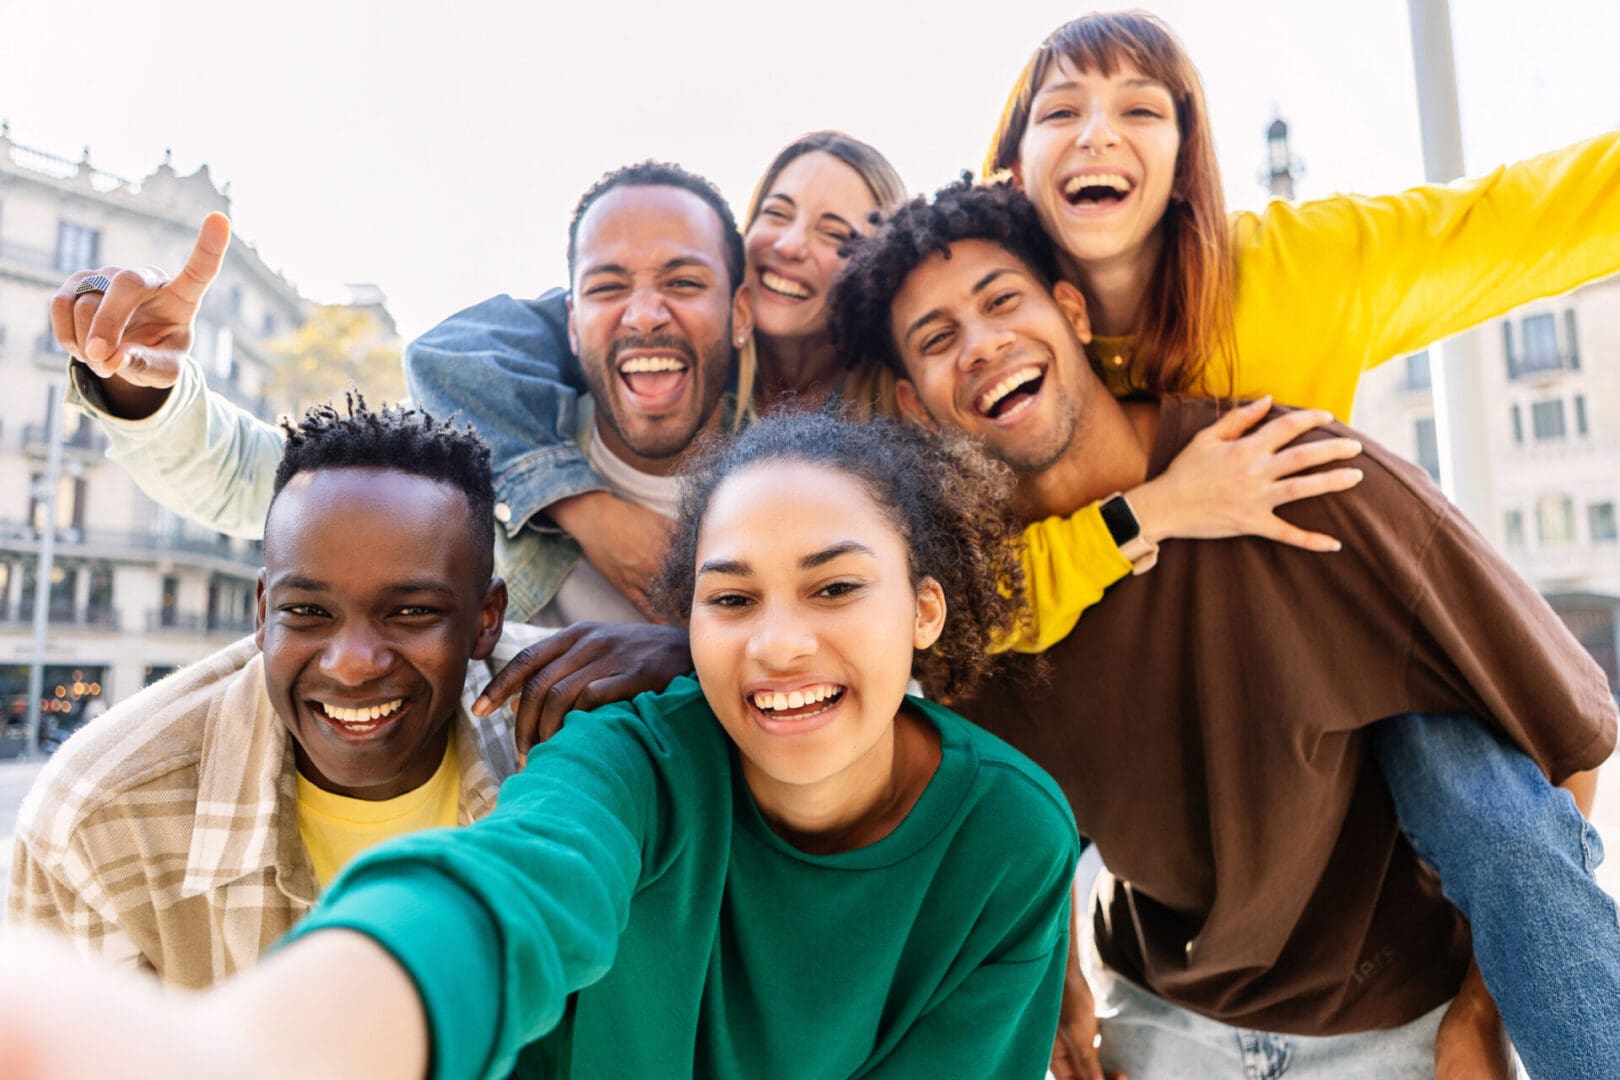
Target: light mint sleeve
[200,454]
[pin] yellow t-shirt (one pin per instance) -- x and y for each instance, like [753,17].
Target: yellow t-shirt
[1329,288]
[336,828]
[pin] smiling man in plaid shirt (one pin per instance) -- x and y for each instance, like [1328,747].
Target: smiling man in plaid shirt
[187,829]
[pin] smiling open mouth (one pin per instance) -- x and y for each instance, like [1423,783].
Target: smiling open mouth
[1012,394]
[782,286]
[653,376]
[1097,189]
[797,704]
[360,721]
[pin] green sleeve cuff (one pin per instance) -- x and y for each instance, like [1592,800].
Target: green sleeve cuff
[447,944]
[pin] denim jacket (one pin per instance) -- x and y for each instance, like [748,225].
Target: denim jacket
[210,460]
[506,366]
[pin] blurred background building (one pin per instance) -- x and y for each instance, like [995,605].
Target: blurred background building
[134,589]
[1552,375]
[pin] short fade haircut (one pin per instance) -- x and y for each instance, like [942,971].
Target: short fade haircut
[663,174]
[399,439]
[858,306]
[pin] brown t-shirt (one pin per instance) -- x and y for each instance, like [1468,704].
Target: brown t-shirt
[1207,721]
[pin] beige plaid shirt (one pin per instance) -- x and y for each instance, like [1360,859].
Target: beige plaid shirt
[165,834]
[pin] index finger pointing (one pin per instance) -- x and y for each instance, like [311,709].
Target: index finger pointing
[207,256]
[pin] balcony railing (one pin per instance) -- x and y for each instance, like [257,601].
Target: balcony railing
[1543,364]
[136,542]
[162,621]
[94,618]
[86,439]
[28,257]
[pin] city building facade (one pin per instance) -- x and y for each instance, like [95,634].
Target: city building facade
[134,589]
[1553,374]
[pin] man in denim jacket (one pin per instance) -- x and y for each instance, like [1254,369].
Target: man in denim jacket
[654,312]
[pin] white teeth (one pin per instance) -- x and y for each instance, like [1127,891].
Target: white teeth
[778,283]
[1116,181]
[641,364]
[1007,385]
[767,700]
[365,716]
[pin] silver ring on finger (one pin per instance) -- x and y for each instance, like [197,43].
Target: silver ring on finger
[93,283]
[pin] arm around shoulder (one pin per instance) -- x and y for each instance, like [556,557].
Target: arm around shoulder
[506,367]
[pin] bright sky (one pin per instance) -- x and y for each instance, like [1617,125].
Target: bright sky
[437,149]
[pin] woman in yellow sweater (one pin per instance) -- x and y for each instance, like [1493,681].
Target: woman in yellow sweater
[1106,133]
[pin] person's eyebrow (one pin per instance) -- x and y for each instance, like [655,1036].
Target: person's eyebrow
[421,587]
[303,583]
[978,287]
[725,566]
[827,555]
[682,262]
[602,268]
[785,198]
[299,583]
[1137,83]
[837,219]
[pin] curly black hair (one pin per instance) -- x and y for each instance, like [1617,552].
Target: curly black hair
[397,438]
[950,502]
[858,306]
[663,174]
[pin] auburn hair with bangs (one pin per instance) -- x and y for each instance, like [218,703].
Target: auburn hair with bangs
[1184,340]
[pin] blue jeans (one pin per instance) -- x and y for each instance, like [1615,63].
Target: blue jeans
[1147,1037]
[1517,858]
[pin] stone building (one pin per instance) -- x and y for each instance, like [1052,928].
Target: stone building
[1553,374]
[134,590]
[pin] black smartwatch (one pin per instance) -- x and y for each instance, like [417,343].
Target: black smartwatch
[1117,514]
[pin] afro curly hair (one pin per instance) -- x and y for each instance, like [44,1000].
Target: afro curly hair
[858,306]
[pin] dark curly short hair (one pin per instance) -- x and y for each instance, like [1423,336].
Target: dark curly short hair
[396,438]
[663,174]
[950,502]
[858,306]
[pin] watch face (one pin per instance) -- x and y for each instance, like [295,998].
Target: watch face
[1121,521]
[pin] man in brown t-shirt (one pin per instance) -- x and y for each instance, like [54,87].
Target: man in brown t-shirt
[1210,721]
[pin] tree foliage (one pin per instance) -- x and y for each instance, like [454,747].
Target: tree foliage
[338,347]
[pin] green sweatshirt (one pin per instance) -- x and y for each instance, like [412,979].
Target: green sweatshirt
[627,898]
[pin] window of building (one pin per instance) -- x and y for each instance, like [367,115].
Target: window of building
[1518,425]
[267,326]
[224,361]
[1428,447]
[1513,528]
[154,672]
[1600,523]
[77,247]
[1580,414]
[1547,419]
[1417,371]
[64,584]
[233,299]
[169,612]
[1572,341]
[1508,349]
[1555,520]
[1540,344]
[99,604]
[29,572]
[70,500]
